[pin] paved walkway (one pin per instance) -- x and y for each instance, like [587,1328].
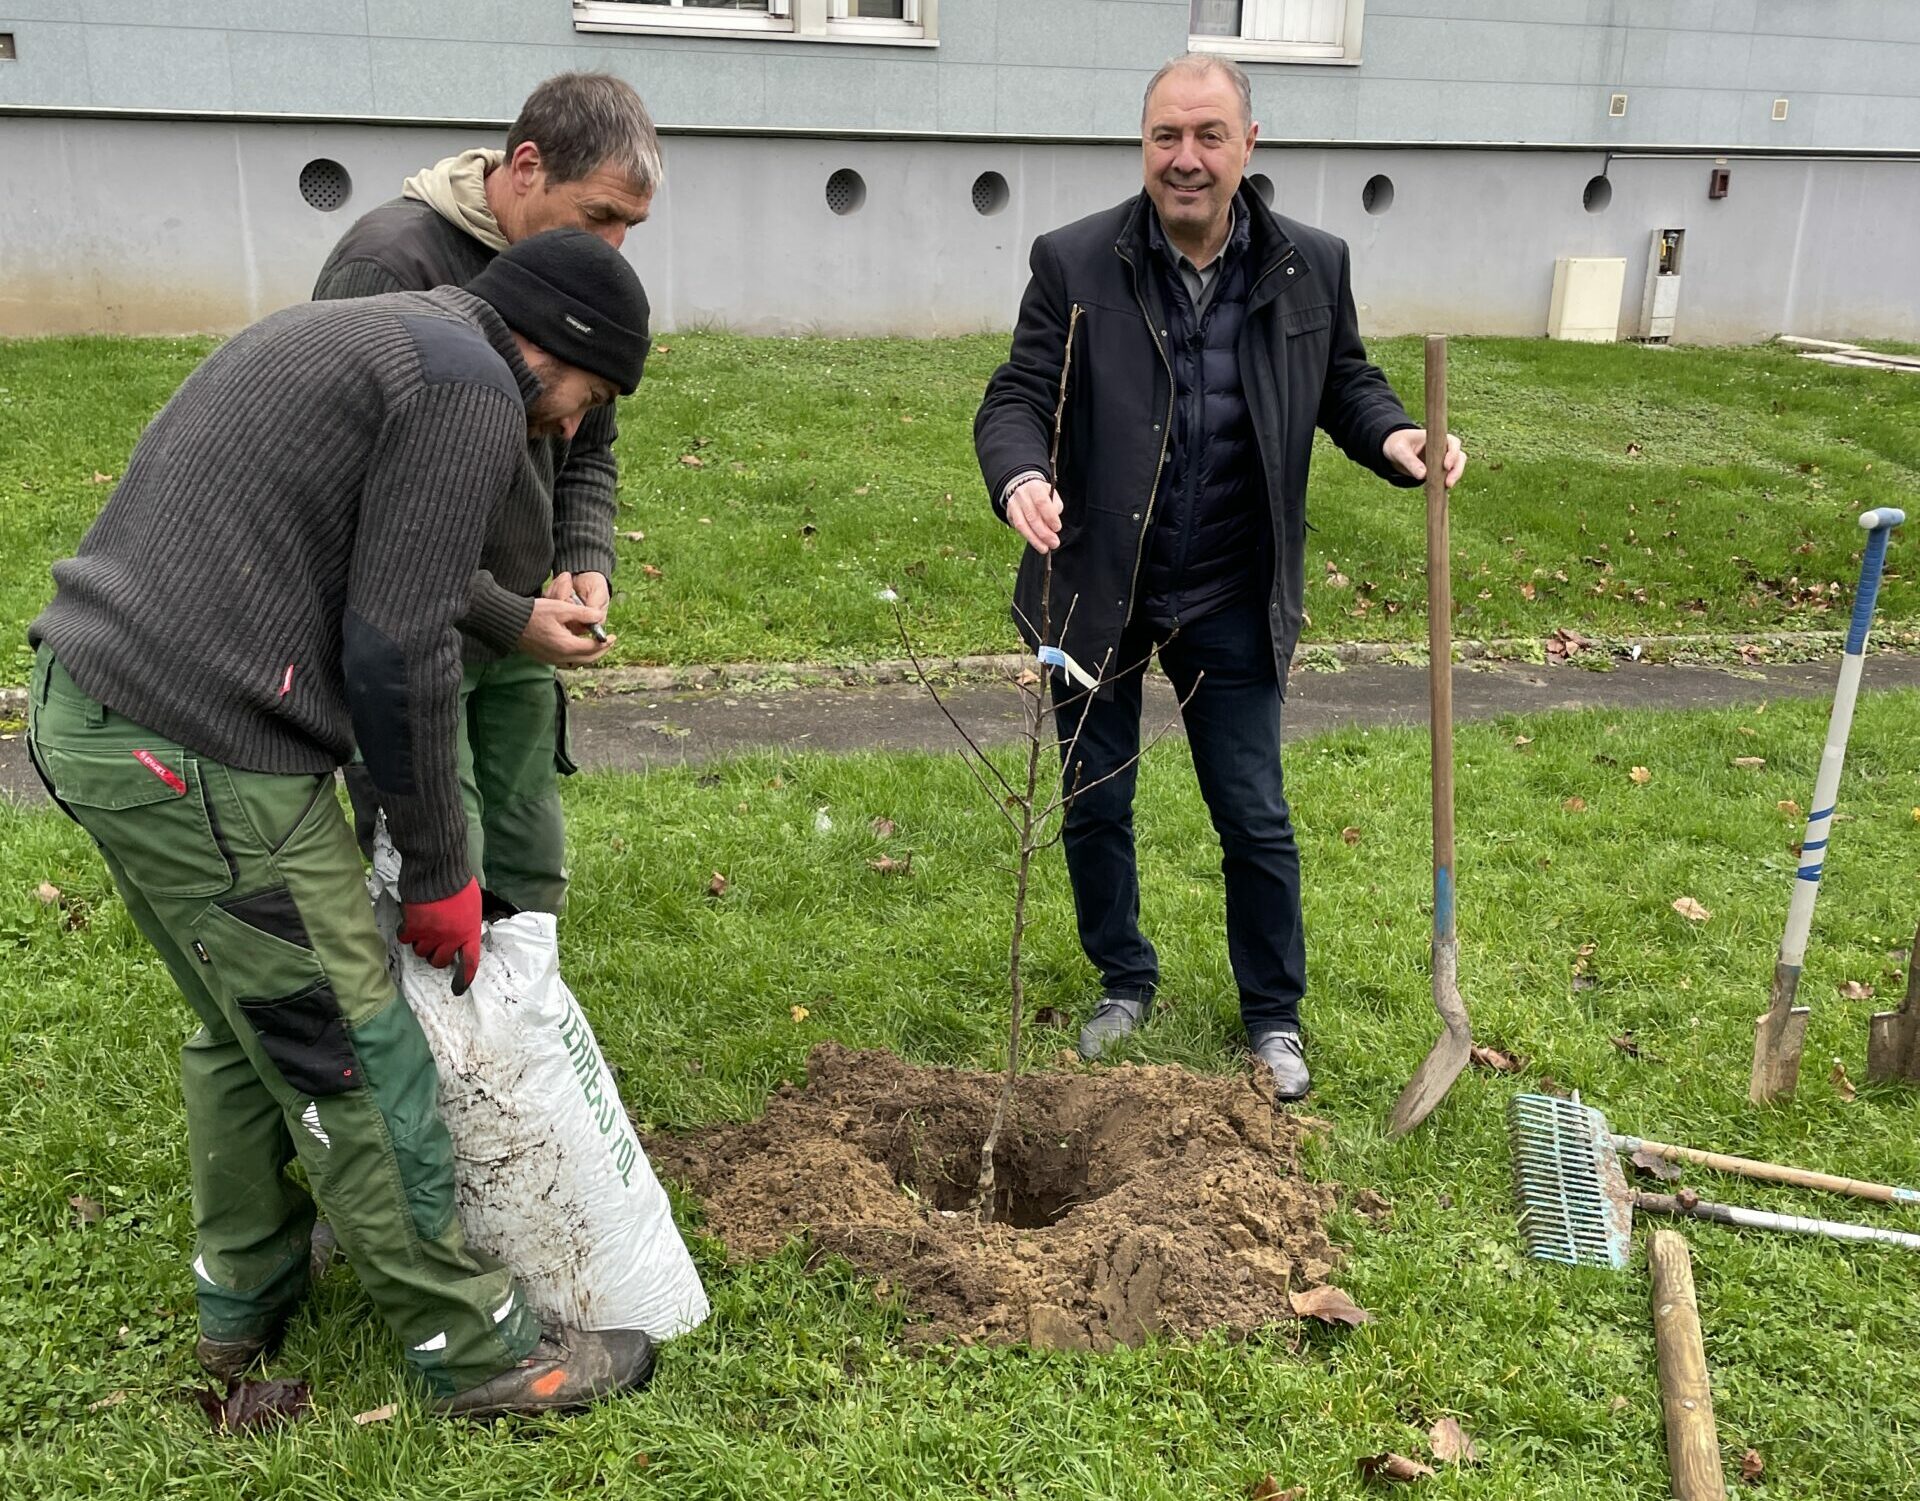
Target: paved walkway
[640,731]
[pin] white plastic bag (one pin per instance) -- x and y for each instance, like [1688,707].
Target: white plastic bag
[548,1174]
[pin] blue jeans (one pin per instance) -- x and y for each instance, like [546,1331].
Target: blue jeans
[1222,668]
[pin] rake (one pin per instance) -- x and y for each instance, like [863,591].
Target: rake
[1576,1207]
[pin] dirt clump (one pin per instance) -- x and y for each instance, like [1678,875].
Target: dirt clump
[1132,1201]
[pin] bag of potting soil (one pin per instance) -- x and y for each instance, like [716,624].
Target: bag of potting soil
[548,1174]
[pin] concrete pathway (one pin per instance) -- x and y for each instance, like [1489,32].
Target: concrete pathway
[640,731]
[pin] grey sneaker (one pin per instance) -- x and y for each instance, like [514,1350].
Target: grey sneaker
[1285,1061]
[567,1369]
[229,1359]
[1113,1019]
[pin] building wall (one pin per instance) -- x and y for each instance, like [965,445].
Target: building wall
[1697,72]
[167,226]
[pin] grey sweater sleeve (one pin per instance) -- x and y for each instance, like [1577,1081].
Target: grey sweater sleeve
[585,499]
[445,459]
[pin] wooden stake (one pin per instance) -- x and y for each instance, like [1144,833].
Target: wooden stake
[1693,1442]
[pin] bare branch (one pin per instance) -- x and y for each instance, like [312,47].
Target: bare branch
[1066,798]
[960,729]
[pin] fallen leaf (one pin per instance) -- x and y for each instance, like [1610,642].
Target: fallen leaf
[1653,1163]
[1350,834]
[1916,815]
[635,536]
[693,461]
[1522,740]
[1582,955]
[376,1414]
[1393,1467]
[1052,1016]
[1752,1466]
[1688,908]
[1618,1404]
[650,571]
[706,521]
[1527,591]
[48,893]
[1855,990]
[1842,1085]
[862,489]
[102,479]
[888,866]
[1641,775]
[112,1399]
[1749,762]
[1748,730]
[1575,805]
[883,828]
[1792,809]
[1028,677]
[1451,1446]
[1551,1085]
[1634,450]
[1266,1488]
[718,885]
[251,1405]
[1329,1305]
[85,1210]
[800,1014]
[1499,1062]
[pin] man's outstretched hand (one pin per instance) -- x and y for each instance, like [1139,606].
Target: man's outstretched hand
[1033,510]
[1407,451]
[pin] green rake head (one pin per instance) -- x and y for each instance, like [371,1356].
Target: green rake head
[1575,1207]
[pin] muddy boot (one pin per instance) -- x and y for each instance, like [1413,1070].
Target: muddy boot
[229,1359]
[567,1369]
[1280,1057]
[1114,1018]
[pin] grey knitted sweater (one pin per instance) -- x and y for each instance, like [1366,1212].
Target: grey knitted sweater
[279,573]
[563,520]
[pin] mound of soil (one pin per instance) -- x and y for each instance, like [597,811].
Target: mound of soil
[1131,1201]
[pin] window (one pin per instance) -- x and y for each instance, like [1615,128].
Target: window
[1293,31]
[877,20]
[896,23]
[701,17]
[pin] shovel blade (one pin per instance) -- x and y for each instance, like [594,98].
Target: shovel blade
[1891,1049]
[1444,1063]
[1779,1038]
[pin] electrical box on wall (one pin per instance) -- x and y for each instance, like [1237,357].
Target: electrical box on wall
[1586,299]
[1660,305]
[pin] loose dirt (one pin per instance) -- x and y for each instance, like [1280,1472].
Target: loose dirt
[1132,1201]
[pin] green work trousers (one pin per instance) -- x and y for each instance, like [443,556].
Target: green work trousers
[251,889]
[513,751]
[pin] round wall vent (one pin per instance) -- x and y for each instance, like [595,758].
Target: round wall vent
[846,191]
[1263,185]
[325,184]
[1596,197]
[1377,196]
[990,193]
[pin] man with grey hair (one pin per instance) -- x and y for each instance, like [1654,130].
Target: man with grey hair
[1214,336]
[583,154]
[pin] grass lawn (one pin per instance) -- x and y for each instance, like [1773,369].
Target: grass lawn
[798,1386]
[778,485]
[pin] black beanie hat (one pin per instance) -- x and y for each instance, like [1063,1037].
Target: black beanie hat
[575,296]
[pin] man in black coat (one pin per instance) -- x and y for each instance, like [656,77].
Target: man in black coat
[1214,336]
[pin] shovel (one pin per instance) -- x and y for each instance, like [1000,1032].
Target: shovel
[1781,1034]
[1448,1057]
[1893,1041]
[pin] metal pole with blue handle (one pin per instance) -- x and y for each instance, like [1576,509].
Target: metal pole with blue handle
[1781,1034]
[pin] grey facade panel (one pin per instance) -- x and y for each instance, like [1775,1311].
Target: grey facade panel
[742,235]
[1433,70]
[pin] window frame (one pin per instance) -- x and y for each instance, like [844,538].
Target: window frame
[1346,54]
[783,21]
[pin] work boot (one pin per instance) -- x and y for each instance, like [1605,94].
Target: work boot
[229,1359]
[1114,1018]
[1283,1059]
[567,1369]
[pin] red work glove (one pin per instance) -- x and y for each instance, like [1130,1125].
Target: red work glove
[446,933]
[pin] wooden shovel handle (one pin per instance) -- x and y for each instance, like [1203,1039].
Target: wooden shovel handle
[1770,1172]
[1440,637]
[1686,1400]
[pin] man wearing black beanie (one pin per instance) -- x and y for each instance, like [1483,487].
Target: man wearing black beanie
[276,579]
[583,154]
